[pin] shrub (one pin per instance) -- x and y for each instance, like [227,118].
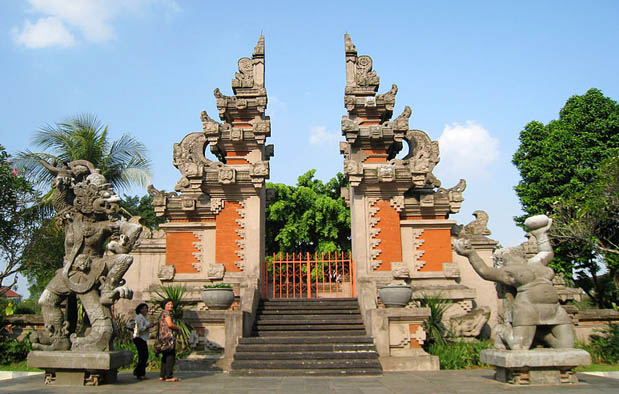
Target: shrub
[604,345]
[433,325]
[220,285]
[459,355]
[12,351]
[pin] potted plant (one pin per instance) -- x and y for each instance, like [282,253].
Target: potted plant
[218,296]
[395,294]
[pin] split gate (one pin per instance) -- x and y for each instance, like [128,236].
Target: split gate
[299,275]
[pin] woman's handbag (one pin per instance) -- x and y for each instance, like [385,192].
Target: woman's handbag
[164,344]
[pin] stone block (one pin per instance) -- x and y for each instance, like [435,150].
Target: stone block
[79,368]
[420,362]
[535,366]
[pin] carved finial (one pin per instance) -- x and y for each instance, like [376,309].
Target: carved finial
[259,49]
[205,118]
[217,93]
[406,114]
[349,46]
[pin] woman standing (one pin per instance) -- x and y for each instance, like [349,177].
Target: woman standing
[167,329]
[140,336]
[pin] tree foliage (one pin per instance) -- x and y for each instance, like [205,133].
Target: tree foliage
[123,162]
[309,217]
[564,167]
[142,207]
[17,218]
[43,255]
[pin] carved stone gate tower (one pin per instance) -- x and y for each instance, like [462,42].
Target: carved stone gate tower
[400,224]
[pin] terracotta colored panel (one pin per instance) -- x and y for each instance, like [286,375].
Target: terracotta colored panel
[375,160]
[437,247]
[389,235]
[425,217]
[179,252]
[226,236]
[192,220]
[413,330]
[240,153]
[236,161]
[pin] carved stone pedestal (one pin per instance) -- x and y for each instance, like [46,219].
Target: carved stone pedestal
[80,368]
[536,366]
[399,336]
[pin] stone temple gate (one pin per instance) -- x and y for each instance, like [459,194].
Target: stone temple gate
[401,231]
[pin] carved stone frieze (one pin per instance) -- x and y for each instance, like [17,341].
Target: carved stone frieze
[397,203]
[241,242]
[478,227]
[400,270]
[417,253]
[217,204]
[166,272]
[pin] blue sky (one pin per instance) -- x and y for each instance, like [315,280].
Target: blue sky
[473,72]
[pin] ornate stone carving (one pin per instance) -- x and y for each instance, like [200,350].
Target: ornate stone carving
[397,203]
[245,77]
[470,324]
[535,306]
[478,227]
[400,270]
[417,253]
[97,247]
[226,175]
[217,204]
[215,271]
[241,242]
[364,75]
[166,272]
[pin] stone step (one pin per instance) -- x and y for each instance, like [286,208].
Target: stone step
[306,372]
[293,340]
[305,320]
[313,312]
[302,307]
[305,347]
[280,326]
[329,355]
[309,300]
[321,333]
[307,364]
[311,317]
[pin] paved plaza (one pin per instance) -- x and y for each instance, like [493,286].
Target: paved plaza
[471,381]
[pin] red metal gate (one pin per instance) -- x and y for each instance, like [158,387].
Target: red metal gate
[299,275]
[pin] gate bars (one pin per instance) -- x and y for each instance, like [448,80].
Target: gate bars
[299,275]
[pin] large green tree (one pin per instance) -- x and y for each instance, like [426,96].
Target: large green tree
[560,166]
[17,219]
[309,217]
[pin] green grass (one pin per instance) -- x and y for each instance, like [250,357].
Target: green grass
[598,368]
[19,366]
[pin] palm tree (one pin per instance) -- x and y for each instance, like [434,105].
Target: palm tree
[83,137]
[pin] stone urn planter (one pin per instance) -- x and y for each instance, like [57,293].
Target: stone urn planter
[218,297]
[395,295]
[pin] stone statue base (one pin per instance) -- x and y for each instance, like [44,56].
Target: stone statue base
[80,368]
[535,366]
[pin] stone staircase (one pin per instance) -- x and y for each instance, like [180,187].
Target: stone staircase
[316,337]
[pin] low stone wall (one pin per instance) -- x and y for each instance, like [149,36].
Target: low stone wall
[18,326]
[589,320]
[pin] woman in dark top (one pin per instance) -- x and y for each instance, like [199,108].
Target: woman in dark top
[168,328]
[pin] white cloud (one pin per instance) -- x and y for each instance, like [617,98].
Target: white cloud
[45,32]
[91,20]
[321,136]
[467,151]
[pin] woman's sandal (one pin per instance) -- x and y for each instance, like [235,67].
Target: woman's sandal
[172,380]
